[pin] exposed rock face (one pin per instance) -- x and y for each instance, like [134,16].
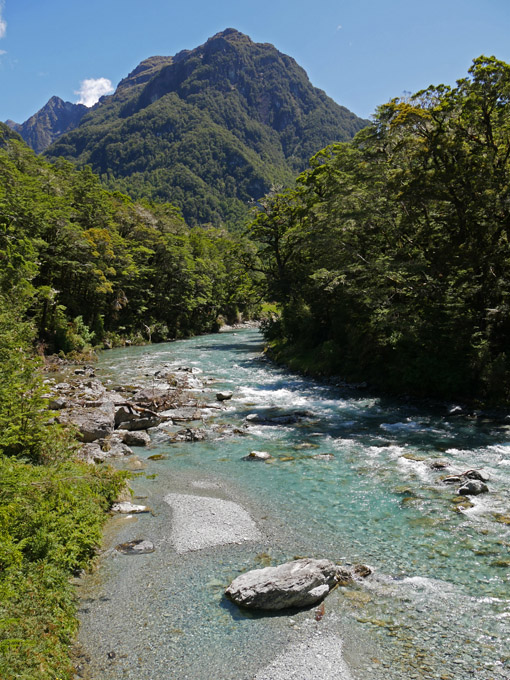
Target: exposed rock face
[49,123]
[294,584]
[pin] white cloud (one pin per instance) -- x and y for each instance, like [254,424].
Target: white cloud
[91,89]
[3,23]
[339,27]
[2,52]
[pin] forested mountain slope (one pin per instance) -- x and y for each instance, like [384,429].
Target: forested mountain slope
[209,129]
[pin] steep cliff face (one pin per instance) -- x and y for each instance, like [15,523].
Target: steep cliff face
[209,129]
[49,123]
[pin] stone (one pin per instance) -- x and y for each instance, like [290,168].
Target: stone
[148,395]
[140,547]
[323,456]
[223,396]
[128,508]
[258,455]
[128,418]
[92,453]
[57,403]
[189,435]
[182,415]
[480,475]
[92,423]
[473,488]
[294,584]
[137,438]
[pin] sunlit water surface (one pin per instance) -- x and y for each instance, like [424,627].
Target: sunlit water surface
[438,603]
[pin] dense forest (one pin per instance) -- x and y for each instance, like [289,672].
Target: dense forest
[94,266]
[390,256]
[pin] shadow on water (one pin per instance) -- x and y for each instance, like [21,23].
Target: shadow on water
[237,347]
[241,613]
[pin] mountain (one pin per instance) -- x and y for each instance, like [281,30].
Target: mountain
[49,123]
[209,129]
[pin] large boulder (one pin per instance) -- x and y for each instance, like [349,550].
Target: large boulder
[294,584]
[92,423]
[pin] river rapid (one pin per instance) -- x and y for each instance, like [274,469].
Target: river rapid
[438,602]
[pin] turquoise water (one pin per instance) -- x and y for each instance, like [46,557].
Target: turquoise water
[438,603]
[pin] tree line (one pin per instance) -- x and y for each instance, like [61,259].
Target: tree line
[390,256]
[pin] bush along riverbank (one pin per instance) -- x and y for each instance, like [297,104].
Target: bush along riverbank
[52,508]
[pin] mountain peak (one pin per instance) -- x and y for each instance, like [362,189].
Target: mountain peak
[209,129]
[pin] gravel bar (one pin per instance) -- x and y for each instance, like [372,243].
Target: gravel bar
[202,522]
[319,658]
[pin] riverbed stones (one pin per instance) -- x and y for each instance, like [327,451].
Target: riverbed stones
[294,584]
[200,522]
[319,658]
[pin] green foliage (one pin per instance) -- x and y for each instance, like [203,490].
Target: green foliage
[51,512]
[210,130]
[98,266]
[390,255]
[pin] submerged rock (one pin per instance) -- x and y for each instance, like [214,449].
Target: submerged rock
[294,584]
[140,547]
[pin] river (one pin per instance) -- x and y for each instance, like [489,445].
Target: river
[438,602]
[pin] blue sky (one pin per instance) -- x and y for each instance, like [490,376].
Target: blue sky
[361,52]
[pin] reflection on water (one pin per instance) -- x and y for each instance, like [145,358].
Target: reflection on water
[438,604]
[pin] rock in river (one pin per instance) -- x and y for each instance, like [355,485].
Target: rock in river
[473,487]
[294,584]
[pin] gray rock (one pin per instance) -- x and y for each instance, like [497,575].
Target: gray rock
[92,423]
[224,396]
[258,455]
[294,584]
[183,415]
[137,438]
[473,488]
[140,423]
[92,453]
[323,456]
[129,418]
[148,395]
[57,403]
[128,508]
[119,449]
